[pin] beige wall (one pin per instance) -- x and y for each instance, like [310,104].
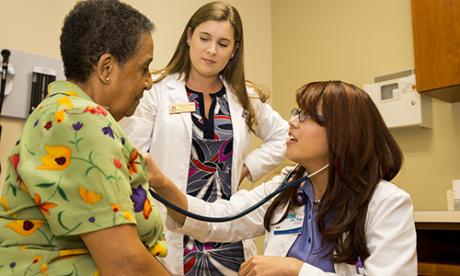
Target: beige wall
[355,41]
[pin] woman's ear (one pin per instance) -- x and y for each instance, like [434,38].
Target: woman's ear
[104,68]
[189,35]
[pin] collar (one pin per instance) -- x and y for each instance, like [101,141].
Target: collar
[176,80]
[67,88]
[307,188]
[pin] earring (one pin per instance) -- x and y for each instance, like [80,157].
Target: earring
[107,79]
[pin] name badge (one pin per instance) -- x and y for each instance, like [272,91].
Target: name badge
[182,107]
[292,224]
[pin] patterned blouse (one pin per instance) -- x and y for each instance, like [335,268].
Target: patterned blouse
[72,172]
[209,178]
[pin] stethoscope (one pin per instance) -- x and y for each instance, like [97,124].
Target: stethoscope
[286,184]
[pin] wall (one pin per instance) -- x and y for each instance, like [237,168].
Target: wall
[355,41]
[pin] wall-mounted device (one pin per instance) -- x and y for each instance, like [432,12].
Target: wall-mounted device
[399,103]
[4,75]
[41,78]
[27,84]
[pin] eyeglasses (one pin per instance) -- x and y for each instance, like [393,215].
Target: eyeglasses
[303,115]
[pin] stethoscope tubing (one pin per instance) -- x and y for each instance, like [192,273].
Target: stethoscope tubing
[284,185]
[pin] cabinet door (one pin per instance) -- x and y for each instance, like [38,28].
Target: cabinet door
[436,33]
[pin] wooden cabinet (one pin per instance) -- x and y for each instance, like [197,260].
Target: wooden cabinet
[436,34]
[438,243]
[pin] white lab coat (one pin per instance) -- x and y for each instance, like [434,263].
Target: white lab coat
[169,138]
[390,228]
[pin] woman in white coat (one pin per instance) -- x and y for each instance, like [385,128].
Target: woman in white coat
[196,122]
[344,218]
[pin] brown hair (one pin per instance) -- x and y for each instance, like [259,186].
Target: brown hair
[362,152]
[233,73]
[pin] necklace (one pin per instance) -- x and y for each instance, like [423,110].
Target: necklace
[301,198]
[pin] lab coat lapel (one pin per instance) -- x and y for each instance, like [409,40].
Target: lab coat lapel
[238,124]
[178,95]
[279,245]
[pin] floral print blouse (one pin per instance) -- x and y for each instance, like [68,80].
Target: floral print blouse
[72,172]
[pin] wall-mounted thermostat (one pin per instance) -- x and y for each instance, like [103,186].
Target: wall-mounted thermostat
[400,104]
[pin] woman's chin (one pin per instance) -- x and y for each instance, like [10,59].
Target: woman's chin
[291,157]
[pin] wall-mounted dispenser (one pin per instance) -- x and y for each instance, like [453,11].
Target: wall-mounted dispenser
[398,101]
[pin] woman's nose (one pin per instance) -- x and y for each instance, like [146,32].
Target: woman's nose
[293,121]
[148,82]
[212,49]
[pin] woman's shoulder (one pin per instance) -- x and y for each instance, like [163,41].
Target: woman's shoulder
[161,77]
[387,191]
[164,82]
[387,188]
[257,91]
[279,176]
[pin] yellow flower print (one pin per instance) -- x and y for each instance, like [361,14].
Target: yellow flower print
[70,93]
[89,196]
[25,227]
[44,269]
[65,101]
[72,252]
[44,206]
[59,116]
[159,249]
[4,203]
[128,216]
[58,158]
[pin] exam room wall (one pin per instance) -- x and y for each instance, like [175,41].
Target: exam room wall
[355,41]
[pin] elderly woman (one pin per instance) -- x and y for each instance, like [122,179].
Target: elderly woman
[345,218]
[75,198]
